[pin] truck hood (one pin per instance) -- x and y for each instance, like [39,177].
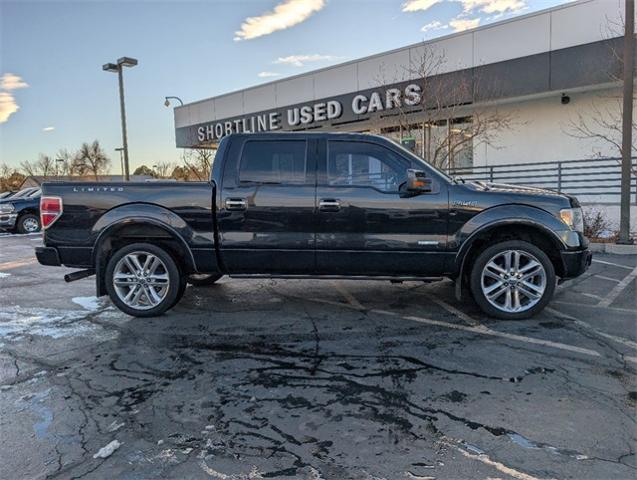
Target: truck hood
[530,195]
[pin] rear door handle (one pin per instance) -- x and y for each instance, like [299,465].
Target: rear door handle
[329,205]
[236,204]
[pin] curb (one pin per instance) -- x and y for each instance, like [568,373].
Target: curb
[613,248]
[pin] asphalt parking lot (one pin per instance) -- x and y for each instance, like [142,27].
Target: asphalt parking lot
[315,379]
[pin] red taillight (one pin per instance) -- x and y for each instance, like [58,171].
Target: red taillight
[50,210]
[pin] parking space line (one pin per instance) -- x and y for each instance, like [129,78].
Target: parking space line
[348,296]
[484,458]
[581,323]
[615,309]
[17,263]
[618,289]
[602,277]
[479,329]
[590,295]
[613,264]
[451,309]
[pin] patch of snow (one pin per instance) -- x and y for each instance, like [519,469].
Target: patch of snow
[92,304]
[19,322]
[4,275]
[114,426]
[107,450]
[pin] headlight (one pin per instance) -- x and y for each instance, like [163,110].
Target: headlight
[6,207]
[574,218]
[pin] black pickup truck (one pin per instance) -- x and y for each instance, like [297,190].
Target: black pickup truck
[317,205]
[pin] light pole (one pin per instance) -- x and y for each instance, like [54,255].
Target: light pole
[119,68]
[57,163]
[121,158]
[167,102]
[627,122]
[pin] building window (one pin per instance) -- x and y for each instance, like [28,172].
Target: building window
[446,144]
[282,162]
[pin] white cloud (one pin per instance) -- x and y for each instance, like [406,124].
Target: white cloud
[7,106]
[10,81]
[285,15]
[48,129]
[267,74]
[435,25]
[493,6]
[300,60]
[417,5]
[460,24]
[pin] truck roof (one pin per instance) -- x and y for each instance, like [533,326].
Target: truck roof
[305,134]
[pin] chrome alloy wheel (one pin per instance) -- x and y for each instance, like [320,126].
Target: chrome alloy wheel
[30,225]
[513,281]
[141,280]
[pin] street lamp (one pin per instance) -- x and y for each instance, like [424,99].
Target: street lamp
[119,68]
[121,158]
[167,102]
[57,163]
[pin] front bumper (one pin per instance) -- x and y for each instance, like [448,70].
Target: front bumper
[576,263]
[48,256]
[7,220]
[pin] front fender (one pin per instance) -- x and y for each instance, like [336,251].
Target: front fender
[512,215]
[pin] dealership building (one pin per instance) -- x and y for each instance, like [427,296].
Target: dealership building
[532,100]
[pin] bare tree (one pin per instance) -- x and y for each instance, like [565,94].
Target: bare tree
[44,166]
[10,178]
[91,158]
[64,162]
[448,120]
[163,169]
[198,161]
[602,122]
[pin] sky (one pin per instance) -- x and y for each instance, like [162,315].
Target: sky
[54,94]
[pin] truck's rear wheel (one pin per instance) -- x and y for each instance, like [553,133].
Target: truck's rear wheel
[143,280]
[203,279]
[512,280]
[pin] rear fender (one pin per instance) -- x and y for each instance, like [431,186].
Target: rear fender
[139,214]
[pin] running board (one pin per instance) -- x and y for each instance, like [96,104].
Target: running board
[341,277]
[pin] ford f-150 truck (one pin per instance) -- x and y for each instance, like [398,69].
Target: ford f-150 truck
[317,205]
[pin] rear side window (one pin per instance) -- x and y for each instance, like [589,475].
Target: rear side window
[283,162]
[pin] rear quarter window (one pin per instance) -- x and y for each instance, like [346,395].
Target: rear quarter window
[274,162]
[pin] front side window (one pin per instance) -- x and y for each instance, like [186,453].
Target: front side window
[278,162]
[365,165]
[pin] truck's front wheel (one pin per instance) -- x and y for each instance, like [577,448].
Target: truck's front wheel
[143,280]
[512,280]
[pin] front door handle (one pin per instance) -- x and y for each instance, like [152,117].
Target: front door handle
[329,205]
[236,204]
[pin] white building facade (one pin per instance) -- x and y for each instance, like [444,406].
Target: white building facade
[538,88]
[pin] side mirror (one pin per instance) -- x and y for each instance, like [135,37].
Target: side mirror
[417,183]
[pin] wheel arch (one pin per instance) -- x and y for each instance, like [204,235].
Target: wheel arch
[143,230]
[537,234]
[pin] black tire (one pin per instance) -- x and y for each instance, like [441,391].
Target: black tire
[203,280]
[29,220]
[176,283]
[490,253]
[180,292]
